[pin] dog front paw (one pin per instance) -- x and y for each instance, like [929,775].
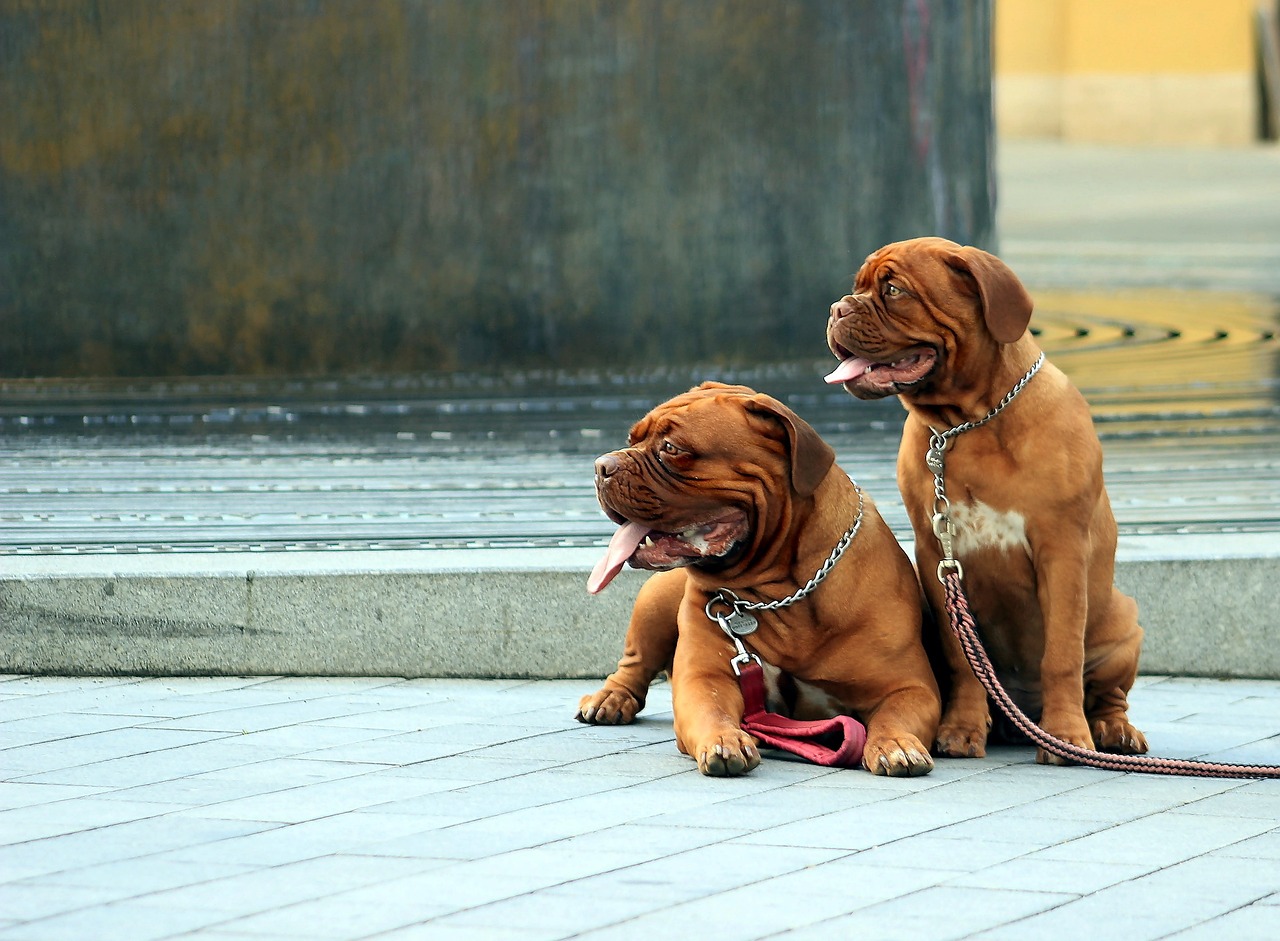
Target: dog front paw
[960,739]
[1118,737]
[608,707]
[1073,733]
[903,757]
[727,755]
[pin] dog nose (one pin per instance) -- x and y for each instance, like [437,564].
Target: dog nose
[606,465]
[841,308]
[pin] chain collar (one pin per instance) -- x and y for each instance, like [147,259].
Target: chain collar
[940,438]
[943,527]
[736,621]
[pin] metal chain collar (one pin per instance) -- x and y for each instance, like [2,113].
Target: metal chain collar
[943,526]
[738,622]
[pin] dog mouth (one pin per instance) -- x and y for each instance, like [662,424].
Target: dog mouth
[868,378]
[647,548]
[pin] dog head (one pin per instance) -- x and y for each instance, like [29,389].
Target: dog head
[924,313]
[705,478]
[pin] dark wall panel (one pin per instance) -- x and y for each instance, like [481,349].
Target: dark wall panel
[329,186]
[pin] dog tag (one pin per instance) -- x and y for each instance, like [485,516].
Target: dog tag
[933,459]
[741,624]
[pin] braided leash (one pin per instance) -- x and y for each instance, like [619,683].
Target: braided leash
[965,629]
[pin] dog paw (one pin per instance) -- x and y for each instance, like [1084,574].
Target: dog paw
[960,740]
[607,707]
[1072,734]
[1118,737]
[904,757]
[727,755]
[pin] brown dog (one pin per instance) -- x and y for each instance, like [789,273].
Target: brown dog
[723,487]
[945,328]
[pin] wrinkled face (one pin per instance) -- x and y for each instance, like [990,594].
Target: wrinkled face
[675,491]
[924,314]
[690,488]
[890,333]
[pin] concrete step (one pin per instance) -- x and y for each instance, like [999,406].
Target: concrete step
[1208,605]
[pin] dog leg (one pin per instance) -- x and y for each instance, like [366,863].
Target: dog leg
[1062,581]
[1109,675]
[647,651]
[966,722]
[708,706]
[966,718]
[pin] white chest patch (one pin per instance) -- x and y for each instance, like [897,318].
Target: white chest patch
[978,526]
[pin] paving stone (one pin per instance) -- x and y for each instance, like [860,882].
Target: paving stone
[953,913]
[616,839]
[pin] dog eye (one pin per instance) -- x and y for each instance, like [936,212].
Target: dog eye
[668,450]
[891,289]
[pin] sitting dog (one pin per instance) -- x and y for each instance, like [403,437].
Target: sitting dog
[944,327]
[725,488]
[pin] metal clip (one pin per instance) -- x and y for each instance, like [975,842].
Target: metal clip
[743,659]
[744,655]
[945,530]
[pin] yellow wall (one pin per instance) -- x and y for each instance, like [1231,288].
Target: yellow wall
[1127,71]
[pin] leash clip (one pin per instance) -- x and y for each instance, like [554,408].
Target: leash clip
[741,660]
[733,630]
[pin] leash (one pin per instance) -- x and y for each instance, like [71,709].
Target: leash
[965,628]
[834,742]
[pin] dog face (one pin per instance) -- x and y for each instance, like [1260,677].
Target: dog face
[922,315]
[705,478]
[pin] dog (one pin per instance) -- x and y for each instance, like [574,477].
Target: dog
[945,328]
[723,487]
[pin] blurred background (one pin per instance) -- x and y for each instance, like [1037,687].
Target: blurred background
[336,187]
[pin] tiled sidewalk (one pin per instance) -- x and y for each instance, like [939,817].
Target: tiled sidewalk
[354,808]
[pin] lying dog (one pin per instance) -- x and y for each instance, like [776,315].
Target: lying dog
[944,327]
[726,488]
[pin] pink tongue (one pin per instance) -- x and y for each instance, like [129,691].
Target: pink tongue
[621,547]
[851,368]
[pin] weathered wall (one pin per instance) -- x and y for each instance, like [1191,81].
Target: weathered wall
[277,186]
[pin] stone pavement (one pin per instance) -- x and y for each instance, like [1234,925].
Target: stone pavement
[291,808]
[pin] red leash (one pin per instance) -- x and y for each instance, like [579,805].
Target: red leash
[965,629]
[836,742]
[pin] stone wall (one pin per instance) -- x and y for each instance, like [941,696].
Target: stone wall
[333,186]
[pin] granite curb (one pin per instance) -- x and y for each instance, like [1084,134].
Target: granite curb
[499,612]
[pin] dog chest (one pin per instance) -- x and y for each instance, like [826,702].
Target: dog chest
[979,526]
[788,695]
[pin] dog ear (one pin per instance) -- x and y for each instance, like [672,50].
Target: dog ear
[711,385]
[811,456]
[1006,305]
